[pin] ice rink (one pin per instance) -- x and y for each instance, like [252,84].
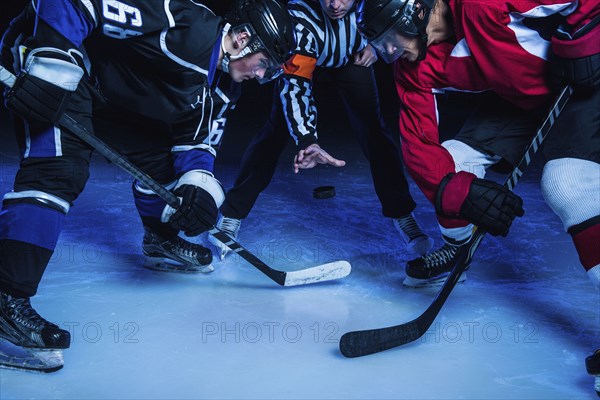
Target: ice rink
[520,327]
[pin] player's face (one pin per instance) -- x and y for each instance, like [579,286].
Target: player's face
[336,9]
[393,46]
[254,66]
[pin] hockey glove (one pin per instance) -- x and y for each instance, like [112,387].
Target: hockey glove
[43,88]
[575,60]
[201,195]
[197,213]
[486,204]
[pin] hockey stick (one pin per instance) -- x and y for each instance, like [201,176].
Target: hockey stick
[320,273]
[362,343]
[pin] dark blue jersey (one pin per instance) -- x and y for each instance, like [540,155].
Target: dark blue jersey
[155,57]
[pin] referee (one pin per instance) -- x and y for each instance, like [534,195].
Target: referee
[329,49]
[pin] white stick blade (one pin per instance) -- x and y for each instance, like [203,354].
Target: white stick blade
[320,273]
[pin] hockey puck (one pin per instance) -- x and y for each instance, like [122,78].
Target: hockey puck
[324,192]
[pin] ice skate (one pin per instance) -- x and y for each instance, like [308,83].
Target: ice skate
[28,341]
[175,255]
[417,242]
[432,269]
[592,364]
[231,226]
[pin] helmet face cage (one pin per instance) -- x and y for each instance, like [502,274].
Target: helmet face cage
[386,45]
[380,23]
[272,68]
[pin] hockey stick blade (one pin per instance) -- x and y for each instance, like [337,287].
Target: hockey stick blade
[70,124]
[320,273]
[362,343]
[370,341]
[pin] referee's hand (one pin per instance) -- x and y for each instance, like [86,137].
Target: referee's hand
[313,155]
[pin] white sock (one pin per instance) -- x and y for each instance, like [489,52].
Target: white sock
[594,274]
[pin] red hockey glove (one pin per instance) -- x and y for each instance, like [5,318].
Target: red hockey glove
[486,204]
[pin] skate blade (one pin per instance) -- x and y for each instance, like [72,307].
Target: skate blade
[30,359]
[436,282]
[166,265]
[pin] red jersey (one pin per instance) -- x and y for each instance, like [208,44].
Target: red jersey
[501,45]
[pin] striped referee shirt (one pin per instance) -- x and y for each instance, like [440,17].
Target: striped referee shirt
[321,42]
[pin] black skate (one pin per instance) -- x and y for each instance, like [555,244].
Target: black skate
[28,341]
[592,364]
[432,269]
[175,255]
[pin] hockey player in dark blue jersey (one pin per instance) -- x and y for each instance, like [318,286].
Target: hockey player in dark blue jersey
[167,74]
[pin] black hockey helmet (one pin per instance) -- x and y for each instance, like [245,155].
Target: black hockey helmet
[270,27]
[377,18]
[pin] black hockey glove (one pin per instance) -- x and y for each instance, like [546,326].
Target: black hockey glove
[575,59]
[43,88]
[197,213]
[583,74]
[486,204]
[36,100]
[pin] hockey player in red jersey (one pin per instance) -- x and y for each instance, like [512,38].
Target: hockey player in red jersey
[168,73]
[523,51]
[503,46]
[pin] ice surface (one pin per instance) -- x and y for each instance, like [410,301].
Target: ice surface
[520,327]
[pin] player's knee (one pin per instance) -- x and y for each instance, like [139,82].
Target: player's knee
[31,221]
[63,177]
[571,187]
[39,197]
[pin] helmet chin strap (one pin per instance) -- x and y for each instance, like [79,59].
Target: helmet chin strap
[227,56]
